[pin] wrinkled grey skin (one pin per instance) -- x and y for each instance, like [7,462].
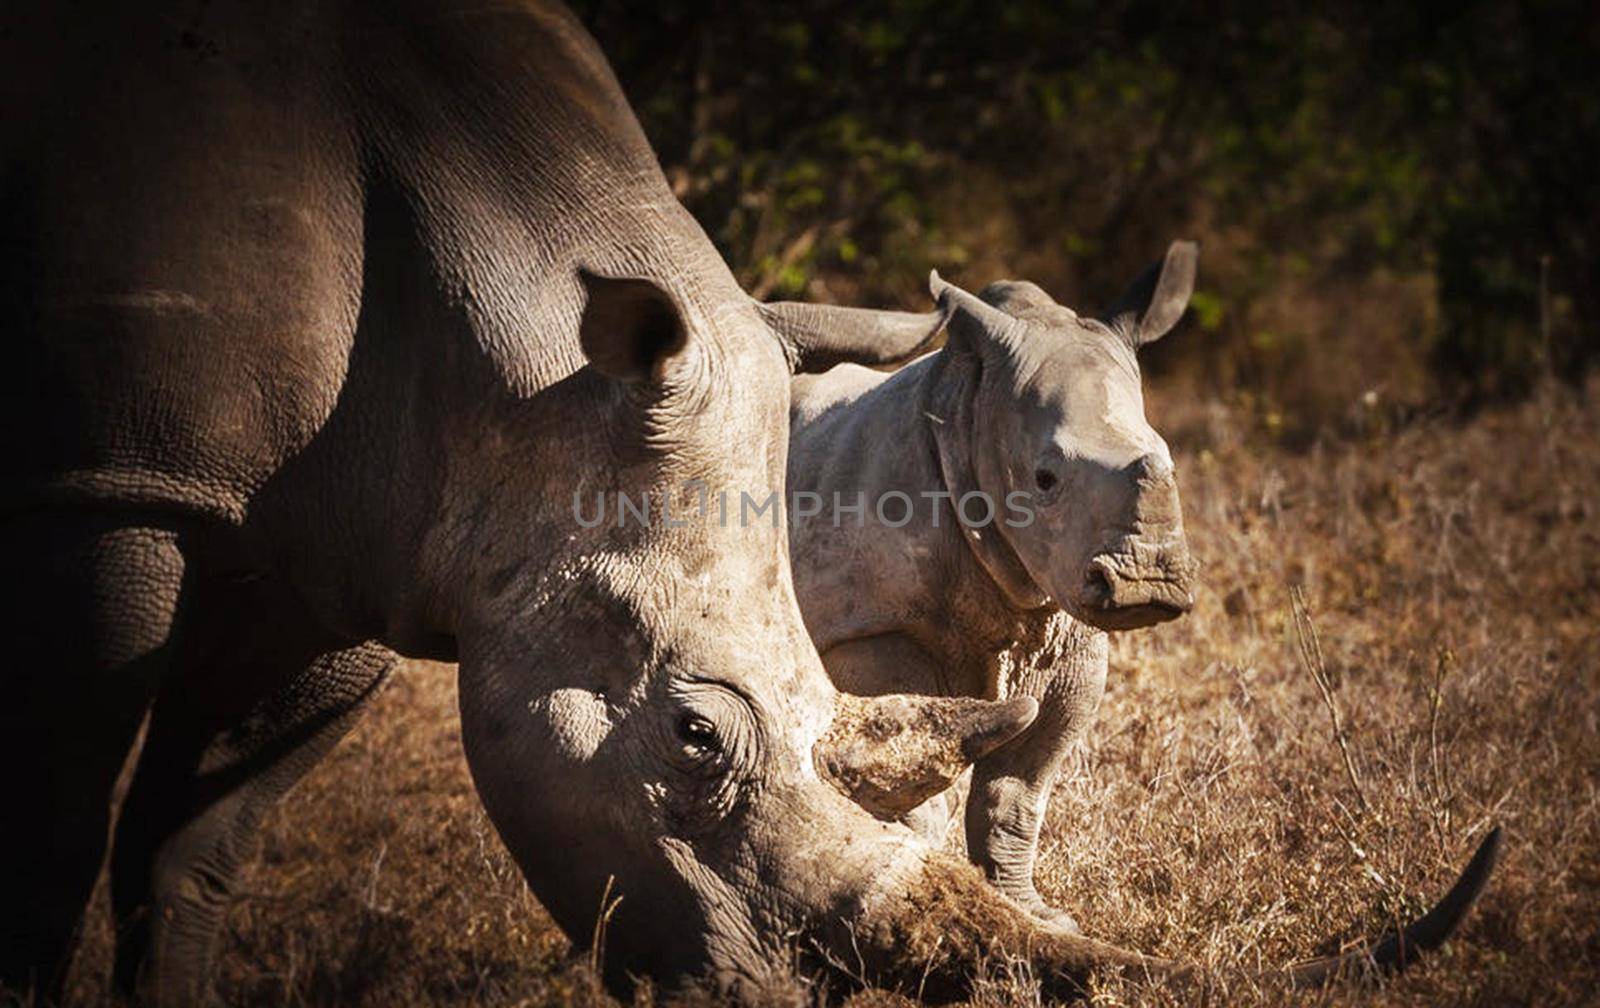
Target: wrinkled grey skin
[1027,398]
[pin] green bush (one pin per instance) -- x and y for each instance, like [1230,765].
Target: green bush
[1327,158]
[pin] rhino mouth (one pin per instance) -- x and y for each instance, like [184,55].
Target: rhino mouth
[1133,617]
[1121,595]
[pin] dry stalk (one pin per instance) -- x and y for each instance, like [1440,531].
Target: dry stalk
[1311,657]
[1444,661]
[597,946]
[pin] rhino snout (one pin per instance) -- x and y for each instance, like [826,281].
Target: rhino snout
[1121,593]
[1141,573]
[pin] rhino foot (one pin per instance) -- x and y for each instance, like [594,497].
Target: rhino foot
[1052,917]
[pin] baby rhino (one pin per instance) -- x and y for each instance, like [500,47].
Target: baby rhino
[973,523]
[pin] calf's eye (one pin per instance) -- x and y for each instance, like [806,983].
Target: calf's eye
[1045,480]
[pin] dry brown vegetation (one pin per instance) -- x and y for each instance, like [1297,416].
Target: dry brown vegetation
[1452,575]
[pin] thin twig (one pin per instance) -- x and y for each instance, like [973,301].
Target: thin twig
[1311,657]
[793,252]
[1441,790]
[608,906]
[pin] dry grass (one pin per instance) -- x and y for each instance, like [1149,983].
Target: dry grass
[1452,575]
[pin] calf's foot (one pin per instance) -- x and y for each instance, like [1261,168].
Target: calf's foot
[1003,820]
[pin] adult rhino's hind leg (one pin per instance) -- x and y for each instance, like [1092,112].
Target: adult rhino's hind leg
[1011,786]
[252,706]
[87,627]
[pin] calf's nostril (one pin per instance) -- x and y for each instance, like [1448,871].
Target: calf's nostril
[1151,467]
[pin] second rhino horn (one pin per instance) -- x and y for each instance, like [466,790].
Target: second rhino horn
[891,753]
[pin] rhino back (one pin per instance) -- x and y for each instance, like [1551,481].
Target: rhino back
[181,279]
[196,198]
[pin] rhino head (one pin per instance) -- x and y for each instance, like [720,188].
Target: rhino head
[647,722]
[1044,403]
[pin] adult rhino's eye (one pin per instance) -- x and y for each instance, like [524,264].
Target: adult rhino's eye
[1045,480]
[697,734]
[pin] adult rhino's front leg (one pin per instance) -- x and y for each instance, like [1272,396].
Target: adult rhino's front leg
[88,636]
[1011,786]
[258,698]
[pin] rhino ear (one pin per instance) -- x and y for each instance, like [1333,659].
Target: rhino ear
[632,329]
[890,754]
[816,337]
[974,322]
[1153,304]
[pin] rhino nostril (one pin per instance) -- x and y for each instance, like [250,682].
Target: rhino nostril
[1151,467]
[1097,587]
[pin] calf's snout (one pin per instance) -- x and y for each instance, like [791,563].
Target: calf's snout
[1165,584]
[1144,574]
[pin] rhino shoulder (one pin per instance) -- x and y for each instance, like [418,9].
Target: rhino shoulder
[810,396]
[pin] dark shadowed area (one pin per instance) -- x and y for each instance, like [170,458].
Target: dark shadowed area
[1397,204]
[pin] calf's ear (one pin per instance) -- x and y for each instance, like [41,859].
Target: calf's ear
[1150,307]
[976,325]
[632,328]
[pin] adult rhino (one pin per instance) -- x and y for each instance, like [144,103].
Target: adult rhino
[321,315]
[300,301]
[1018,505]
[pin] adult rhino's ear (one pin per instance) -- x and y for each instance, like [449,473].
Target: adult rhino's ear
[632,328]
[891,753]
[1153,304]
[816,337]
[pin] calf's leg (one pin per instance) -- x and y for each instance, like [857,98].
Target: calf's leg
[1011,786]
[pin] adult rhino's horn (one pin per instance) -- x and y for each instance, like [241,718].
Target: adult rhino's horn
[944,922]
[1395,951]
[892,753]
[816,337]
